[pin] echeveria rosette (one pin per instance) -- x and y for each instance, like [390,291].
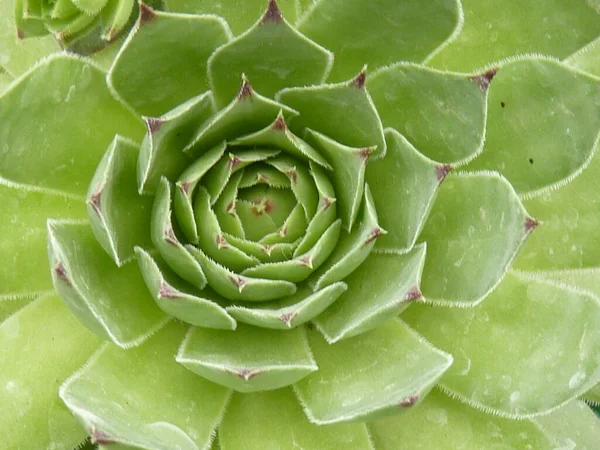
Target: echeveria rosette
[255,216]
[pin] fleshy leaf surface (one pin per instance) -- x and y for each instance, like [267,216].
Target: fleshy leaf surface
[248,359]
[379,32]
[404,184]
[43,341]
[111,301]
[552,356]
[163,61]
[442,114]
[78,119]
[273,54]
[142,398]
[474,230]
[440,420]
[572,424]
[275,420]
[382,287]
[542,125]
[373,374]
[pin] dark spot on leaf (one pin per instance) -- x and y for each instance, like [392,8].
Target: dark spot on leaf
[483,80]
[61,273]
[502,104]
[530,160]
[272,14]
[310,326]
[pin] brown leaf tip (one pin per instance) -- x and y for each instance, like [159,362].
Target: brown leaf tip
[293,174]
[442,171]
[169,237]
[279,124]
[374,234]
[272,14]
[531,224]
[283,231]
[365,153]
[359,81]
[233,161]
[95,202]
[409,401]
[268,249]
[61,273]
[327,201]
[20,34]
[413,293]
[237,282]
[153,124]
[221,242]
[184,187]
[287,318]
[147,14]
[167,291]
[306,261]
[100,437]
[248,374]
[246,90]
[229,209]
[483,80]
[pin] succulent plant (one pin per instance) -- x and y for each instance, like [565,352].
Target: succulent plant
[314,224]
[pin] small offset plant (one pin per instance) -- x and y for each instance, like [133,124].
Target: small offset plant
[317,225]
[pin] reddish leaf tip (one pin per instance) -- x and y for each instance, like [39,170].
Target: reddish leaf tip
[95,201]
[483,80]
[272,14]
[20,34]
[359,81]
[246,90]
[409,401]
[327,201]
[374,234]
[184,187]
[365,153]
[147,14]
[153,124]
[221,242]
[287,318]
[100,437]
[279,124]
[268,249]
[248,374]
[531,224]
[442,171]
[282,231]
[413,293]
[169,237]
[237,282]
[306,261]
[167,291]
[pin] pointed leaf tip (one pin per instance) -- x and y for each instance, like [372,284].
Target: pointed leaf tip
[95,202]
[170,237]
[153,124]
[409,401]
[248,374]
[531,224]
[272,14]
[483,80]
[98,437]
[374,234]
[167,291]
[279,124]
[246,90]
[147,14]
[413,294]
[442,171]
[361,78]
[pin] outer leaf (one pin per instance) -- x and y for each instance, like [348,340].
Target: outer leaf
[144,399]
[473,232]
[543,123]
[573,424]
[68,97]
[273,54]
[114,206]
[248,359]
[274,419]
[389,30]
[239,15]
[440,420]
[163,61]
[41,341]
[9,306]
[289,312]
[442,114]
[587,58]
[531,373]
[382,287]
[343,111]
[495,30]
[24,247]
[569,236]
[376,373]
[111,301]
[404,185]
[179,299]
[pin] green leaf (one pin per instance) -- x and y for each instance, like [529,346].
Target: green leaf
[353,248]
[531,346]
[274,420]
[163,61]
[236,287]
[382,287]
[239,15]
[442,114]
[182,300]
[569,235]
[114,206]
[403,170]
[587,58]
[248,359]
[474,230]
[69,99]
[142,398]
[273,54]
[246,113]
[111,301]
[5,79]
[24,245]
[289,312]
[379,32]
[495,30]
[40,346]
[572,424]
[376,373]
[9,306]
[593,395]
[349,165]
[167,243]
[161,153]
[543,123]
[342,111]
[440,420]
